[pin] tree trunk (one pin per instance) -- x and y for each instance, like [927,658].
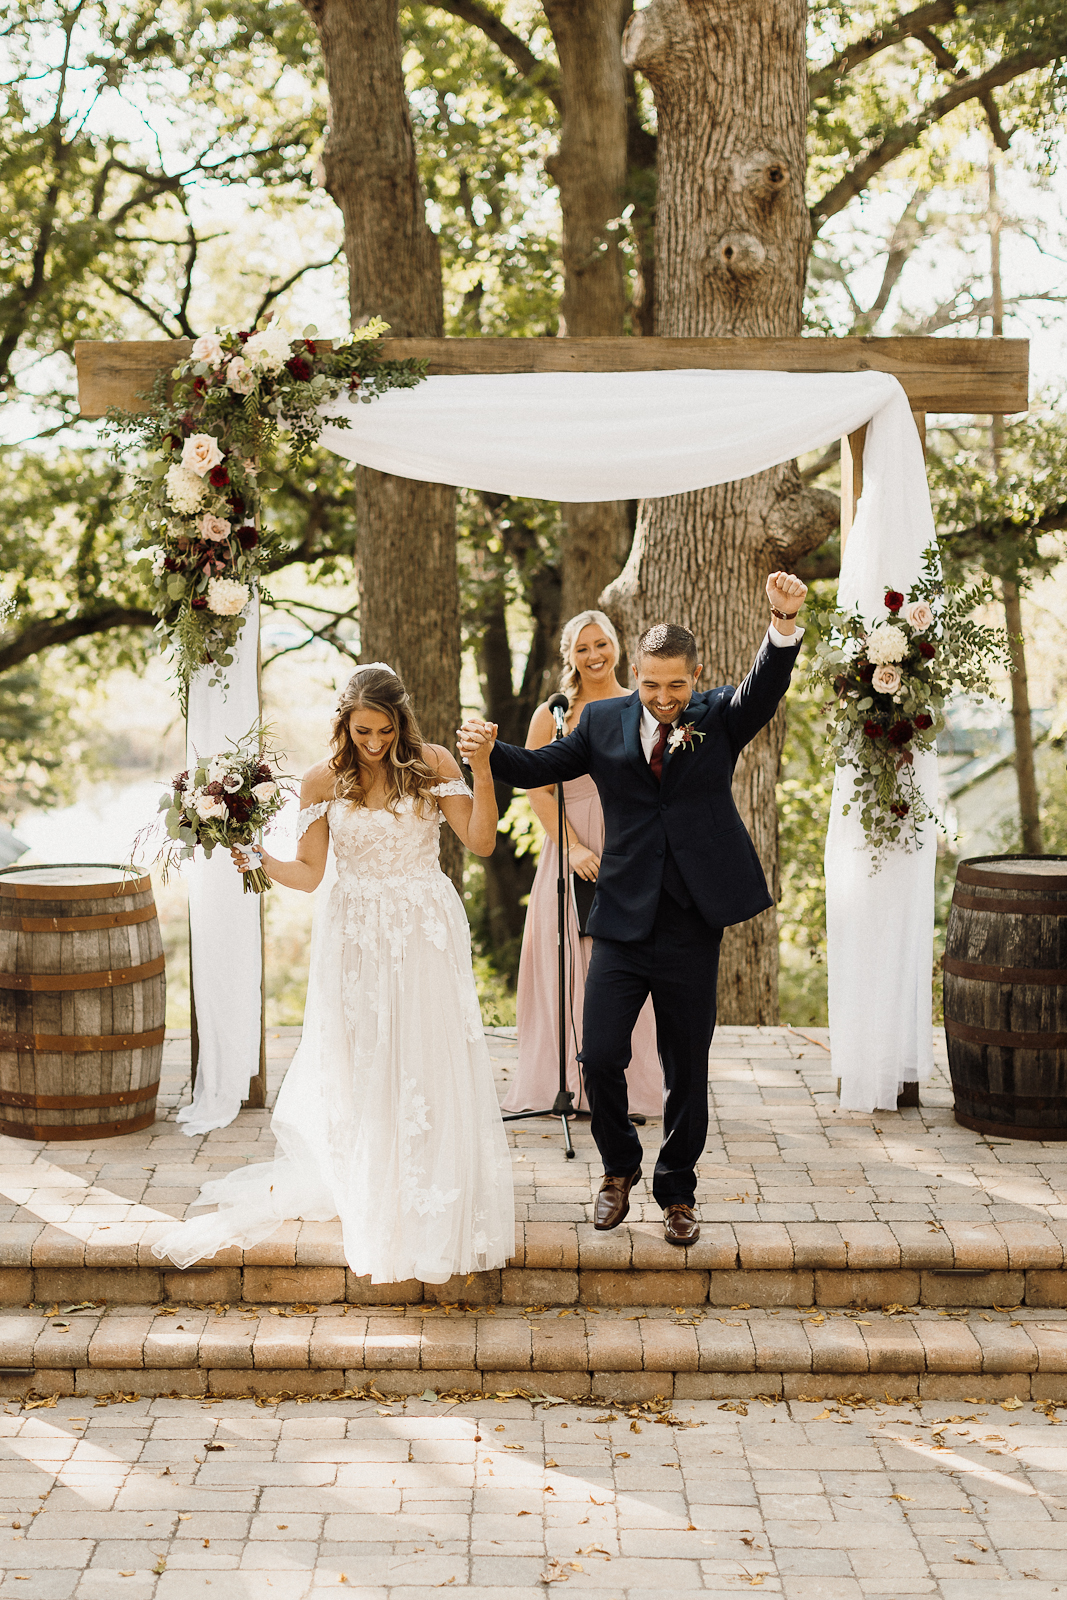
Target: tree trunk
[590,169]
[1022,726]
[406,531]
[732,242]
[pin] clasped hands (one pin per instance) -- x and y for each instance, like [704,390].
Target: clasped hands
[476,740]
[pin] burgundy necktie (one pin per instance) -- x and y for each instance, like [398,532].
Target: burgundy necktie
[655,760]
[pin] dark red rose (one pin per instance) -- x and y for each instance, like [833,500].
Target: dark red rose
[237,507]
[240,810]
[188,424]
[893,600]
[170,565]
[900,808]
[925,649]
[218,477]
[180,781]
[922,722]
[300,369]
[200,602]
[244,337]
[354,383]
[263,774]
[900,732]
[311,347]
[172,441]
[872,729]
[199,385]
[866,672]
[247,538]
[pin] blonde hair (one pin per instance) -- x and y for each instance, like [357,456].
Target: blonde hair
[570,680]
[408,775]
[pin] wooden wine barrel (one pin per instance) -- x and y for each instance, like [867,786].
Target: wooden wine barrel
[1006,995]
[82,1002]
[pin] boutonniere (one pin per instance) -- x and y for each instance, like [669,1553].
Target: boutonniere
[682,737]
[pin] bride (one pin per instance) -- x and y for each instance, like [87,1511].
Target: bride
[388,1116]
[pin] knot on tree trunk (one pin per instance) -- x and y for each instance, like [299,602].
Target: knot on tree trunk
[761,176]
[739,255]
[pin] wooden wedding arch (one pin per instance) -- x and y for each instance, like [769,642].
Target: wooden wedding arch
[939,375]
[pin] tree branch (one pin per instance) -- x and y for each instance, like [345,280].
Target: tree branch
[273,294]
[542,74]
[45,632]
[901,138]
[908,26]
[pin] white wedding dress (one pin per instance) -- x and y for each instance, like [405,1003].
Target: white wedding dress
[388,1117]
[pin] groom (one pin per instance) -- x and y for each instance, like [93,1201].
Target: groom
[677,867]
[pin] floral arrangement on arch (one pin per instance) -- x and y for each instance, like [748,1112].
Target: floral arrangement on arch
[208,433]
[889,681]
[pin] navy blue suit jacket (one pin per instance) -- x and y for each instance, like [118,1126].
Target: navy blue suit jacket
[692,811]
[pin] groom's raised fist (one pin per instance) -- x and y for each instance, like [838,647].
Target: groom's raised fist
[786,595]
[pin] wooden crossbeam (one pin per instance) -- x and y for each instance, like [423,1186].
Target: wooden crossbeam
[943,375]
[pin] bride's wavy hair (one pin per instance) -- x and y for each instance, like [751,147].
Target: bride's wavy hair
[570,679]
[408,775]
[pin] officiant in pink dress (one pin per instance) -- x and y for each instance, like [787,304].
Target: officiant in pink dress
[590,649]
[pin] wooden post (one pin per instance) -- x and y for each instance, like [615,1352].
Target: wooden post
[919,418]
[257,1086]
[851,480]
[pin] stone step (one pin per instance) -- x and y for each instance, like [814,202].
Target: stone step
[764,1264]
[628,1353]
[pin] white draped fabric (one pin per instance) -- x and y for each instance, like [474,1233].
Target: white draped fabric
[223,920]
[613,436]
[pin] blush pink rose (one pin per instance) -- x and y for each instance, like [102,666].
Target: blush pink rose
[920,615]
[208,348]
[886,679]
[240,377]
[214,528]
[200,453]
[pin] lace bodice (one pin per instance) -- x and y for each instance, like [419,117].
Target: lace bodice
[385,845]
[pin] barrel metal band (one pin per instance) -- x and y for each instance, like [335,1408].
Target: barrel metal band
[990,878]
[85,1131]
[1010,908]
[50,983]
[75,1043]
[1011,1130]
[1009,1040]
[1040,976]
[78,1102]
[72,891]
[109,919]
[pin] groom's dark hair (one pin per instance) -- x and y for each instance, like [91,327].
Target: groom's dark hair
[668,639]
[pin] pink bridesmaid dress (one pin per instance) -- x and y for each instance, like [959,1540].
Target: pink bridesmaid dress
[536,1080]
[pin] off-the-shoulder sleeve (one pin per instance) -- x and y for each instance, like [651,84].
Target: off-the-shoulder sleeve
[309,815]
[450,787]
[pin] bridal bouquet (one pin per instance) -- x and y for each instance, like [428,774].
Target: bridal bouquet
[209,433]
[889,680]
[224,800]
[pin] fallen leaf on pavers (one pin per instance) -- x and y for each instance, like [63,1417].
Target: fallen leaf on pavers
[82,1305]
[61,1327]
[524,1513]
[896,1310]
[744,1306]
[727,1324]
[755,1579]
[977,1546]
[902,1497]
[499,1428]
[575,1566]
[517,1447]
[1008,1308]
[205,1543]
[965,1561]
[735,1405]
[445,1584]
[214,1447]
[127,1574]
[38,1404]
[823,1415]
[622,1455]
[935,1227]
[609,1416]
[593,1550]
[185,1516]
[548,1463]
[1014,1404]
[165,1311]
[555,1572]
[635,1427]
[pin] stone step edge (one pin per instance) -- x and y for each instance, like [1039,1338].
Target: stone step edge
[191,1339]
[115,1284]
[736,1390]
[578,1246]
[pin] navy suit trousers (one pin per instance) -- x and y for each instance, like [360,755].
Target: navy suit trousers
[678,966]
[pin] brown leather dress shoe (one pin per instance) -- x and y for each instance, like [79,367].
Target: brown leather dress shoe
[680,1225]
[613,1201]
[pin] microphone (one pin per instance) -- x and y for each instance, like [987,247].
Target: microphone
[559,706]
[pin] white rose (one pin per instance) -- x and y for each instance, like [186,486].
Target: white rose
[208,348]
[264,791]
[214,528]
[200,453]
[240,377]
[232,782]
[185,491]
[226,597]
[209,806]
[920,615]
[886,643]
[268,351]
[886,680]
[158,558]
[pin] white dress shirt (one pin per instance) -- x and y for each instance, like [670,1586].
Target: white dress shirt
[650,727]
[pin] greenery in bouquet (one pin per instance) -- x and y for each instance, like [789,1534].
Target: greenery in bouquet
[208,435]
[226,799]
[886,684]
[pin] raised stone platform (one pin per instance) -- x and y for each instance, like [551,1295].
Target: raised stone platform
[803,1205]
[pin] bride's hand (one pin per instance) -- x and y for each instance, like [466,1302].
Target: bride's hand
[476,740]
[243,862]
[584,862]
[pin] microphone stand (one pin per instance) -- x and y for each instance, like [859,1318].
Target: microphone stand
[563,1105]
